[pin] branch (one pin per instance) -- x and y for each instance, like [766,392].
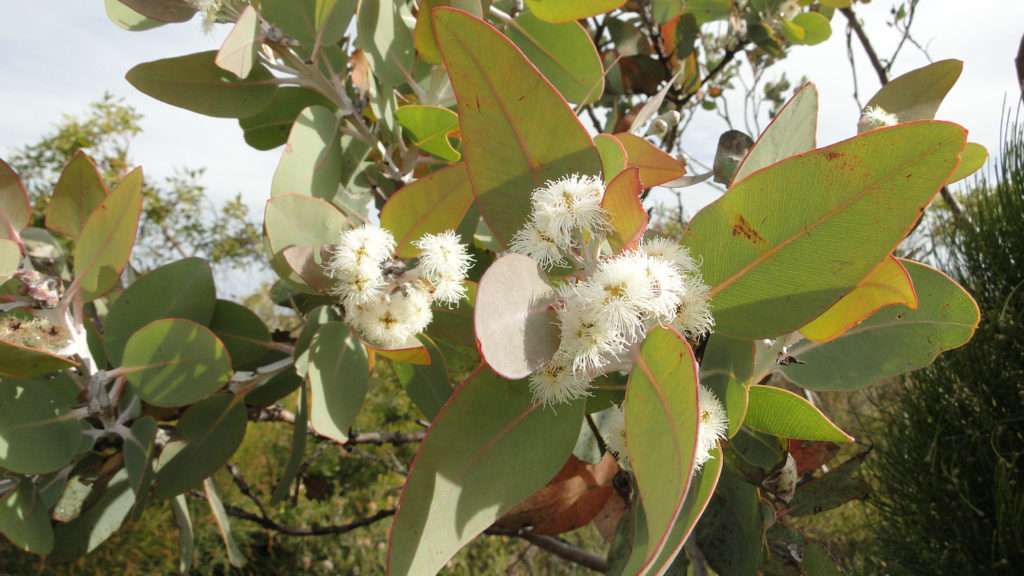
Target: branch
[558,547]
[883,76]
[269,524]
[277,413]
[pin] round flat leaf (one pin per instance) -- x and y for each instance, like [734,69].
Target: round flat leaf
[270,127]
[568,10]
[37,435]
[129,19]
[784,414]
[175,362]
[430,205]
[814,28]
[14,206]
[971,160]
[887,284]
[196,83]
[311,163]
[10,258]
[788,241]
[339,374]
[307,263]
[206,436]
[517,130]
[661,431]
[24,362]
[891,341]
[622,201]
[564,54]
[514,320]
[917,94]
[299,220]
[182,289]
[162,10]
[429,128]
[79,190]
[613,155]
[238,52]
[656,166]
[25,520]
[243,333]
[793,131]
[479,459]
[107,238]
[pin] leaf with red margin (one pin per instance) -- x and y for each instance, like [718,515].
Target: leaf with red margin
[302,260]
[622,201]
[887,284]
[661,431]
[107,238]
[782,413]
[613,155]
[430,205]
[793,131]
[569,10]
[489,449]
[517,130]
[14,205]
[656,166]
[79,190]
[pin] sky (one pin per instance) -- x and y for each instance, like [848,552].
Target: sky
[64,54]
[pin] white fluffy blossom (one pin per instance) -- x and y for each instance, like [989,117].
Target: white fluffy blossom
[693,316]
[558,383]
[444,261]
[712,425]
[614,435]
[674,252]
[391,322]
[876,117]
[788,9]
[355,264]
[570,204]
[532,242]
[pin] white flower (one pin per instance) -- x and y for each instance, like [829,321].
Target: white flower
[788,9]
[674,252]
[876,117]
[620,293]
[532,242]
[693,316]
[614,435]
[444,261]
[558,383]
[568,205]
[712,425]
[389,322]
[586,338]
[355,264]
[667,288]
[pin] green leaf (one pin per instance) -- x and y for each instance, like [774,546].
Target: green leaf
[37,432]
[241,331]
[10,258]
[235,555]
[622,201]
[278,387]
[564,54]
[107,238]
[783,413]
[613,155]
[196,83]
[426,384]
[175,362]
[182,289]
[517,131]
[238,52]
[708,10]
[162,10]
[792,132]
[917,94]
[731,529]
[702,488]
[297,454]
[296,18]
[78,192]
[423,36]
[206,436]
[129,19]
[311,163]
[891,341]
[15,209]
[661,431]
[430,205]
[472,468]
[831,490]
[817,561]
[23,362]
[270,127]
[333,18]
[429,127]
[317,317]
[887,284]
[814,29]
[92,528]
[568,10]
[186,537]
[299,220]
[656,166]
[727,369]
[789,241]
[456,324]
[971,160]
[24,519]
[308,263]
[339,374]
[514,320]
[387,41]
[138,456]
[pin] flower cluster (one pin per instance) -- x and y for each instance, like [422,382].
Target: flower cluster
[712,426]
[876,117]
[613,301]
[384,300]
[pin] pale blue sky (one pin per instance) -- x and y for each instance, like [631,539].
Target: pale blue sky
[63,54]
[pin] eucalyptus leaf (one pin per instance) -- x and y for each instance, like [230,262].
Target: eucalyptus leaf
[38,433]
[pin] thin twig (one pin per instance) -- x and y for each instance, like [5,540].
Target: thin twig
[558,547]
[277,413]
[269,524]
[243,487]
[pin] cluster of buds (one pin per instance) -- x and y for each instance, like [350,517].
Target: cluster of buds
[607,308]
[385,300]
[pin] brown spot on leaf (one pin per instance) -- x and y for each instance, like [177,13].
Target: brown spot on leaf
[832,155]
[743,228]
